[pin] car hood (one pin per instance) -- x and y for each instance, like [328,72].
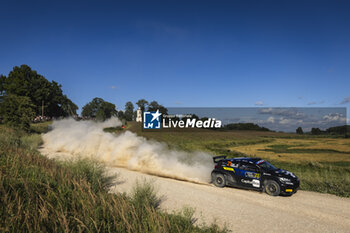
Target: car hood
[281,173]
[285,173]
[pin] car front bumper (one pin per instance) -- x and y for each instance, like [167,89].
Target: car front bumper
[290,188]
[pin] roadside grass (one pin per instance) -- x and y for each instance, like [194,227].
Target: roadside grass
[41,195]
[41,127]
[113,129]
[31,141]
[333,178]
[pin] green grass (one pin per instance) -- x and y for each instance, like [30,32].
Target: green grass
[281,148]
[41,195]
[31,141]
[41,127]
[333,178]
[113,129]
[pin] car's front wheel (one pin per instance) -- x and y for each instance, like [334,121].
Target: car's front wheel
[272,188]
[218,180]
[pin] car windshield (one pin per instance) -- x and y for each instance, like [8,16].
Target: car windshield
[267,166]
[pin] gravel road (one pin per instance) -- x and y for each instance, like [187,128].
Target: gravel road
[247,211]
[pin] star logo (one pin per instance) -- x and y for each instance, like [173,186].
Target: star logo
[156,115]
[151,120]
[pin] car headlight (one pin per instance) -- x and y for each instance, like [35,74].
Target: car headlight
[285,180]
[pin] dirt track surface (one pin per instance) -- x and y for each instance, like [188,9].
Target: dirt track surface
[247,211]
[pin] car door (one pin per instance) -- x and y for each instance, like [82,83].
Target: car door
[249,175]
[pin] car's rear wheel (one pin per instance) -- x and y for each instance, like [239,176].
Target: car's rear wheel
[218,180]
[272,188]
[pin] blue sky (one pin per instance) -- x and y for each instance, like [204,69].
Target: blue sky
[185,53]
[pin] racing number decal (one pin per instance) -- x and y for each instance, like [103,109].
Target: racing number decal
[252,175]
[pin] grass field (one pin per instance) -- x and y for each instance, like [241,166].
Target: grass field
[322,163]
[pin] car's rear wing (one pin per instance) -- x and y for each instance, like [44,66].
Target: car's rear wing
[216,159]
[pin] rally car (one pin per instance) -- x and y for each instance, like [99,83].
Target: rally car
[253,173]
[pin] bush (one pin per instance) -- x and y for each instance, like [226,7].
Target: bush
[92,171]
[17,111]
[144,196]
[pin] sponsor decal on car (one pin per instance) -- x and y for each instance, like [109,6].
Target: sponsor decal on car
[246,181]
[254,183]
[229,169]
[252,175]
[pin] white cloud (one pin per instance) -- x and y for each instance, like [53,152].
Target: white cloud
[292,113]
[314,102]
[284,121]
[259,103]
[271,119]
[266,111]
[346,100]
[113,87]
[334,117]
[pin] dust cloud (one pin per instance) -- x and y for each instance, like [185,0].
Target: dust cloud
[86,139]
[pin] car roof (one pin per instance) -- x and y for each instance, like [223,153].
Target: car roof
[245,159]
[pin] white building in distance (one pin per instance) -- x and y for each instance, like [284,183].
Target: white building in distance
[139,115]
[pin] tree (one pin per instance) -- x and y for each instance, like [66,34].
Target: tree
[69,108]
[154,106]
[2,88]
[2,83]
[99,109]
[23,81]
[121,115]
[142,104]
[299,130]
[315,131]
[129,111]
[17,111]
[339,129]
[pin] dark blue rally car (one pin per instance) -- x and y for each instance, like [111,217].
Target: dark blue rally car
[253,173]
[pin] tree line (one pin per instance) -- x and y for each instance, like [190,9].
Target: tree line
[26,95]
[337,130]
[100,109]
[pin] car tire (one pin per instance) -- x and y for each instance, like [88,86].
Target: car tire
[219,180]
[272,188]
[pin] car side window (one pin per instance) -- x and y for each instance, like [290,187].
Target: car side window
[248,167]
